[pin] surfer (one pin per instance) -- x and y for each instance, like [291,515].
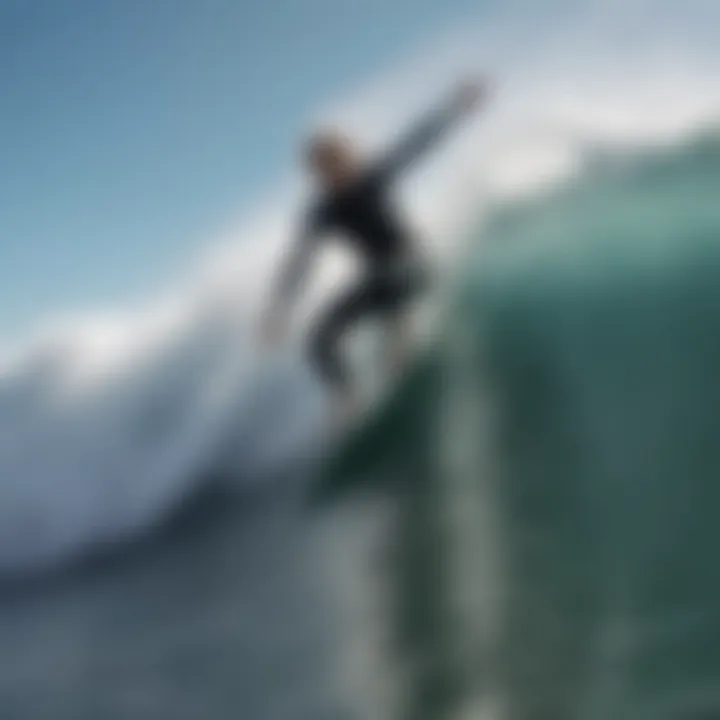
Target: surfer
[355,201]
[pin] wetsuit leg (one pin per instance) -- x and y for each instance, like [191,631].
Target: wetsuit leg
[379,293]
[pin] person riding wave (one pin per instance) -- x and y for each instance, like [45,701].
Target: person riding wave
[355,201]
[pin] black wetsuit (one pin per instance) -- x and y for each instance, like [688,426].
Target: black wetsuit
[364,215]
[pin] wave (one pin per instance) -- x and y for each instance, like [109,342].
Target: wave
[107,421]
[552,460]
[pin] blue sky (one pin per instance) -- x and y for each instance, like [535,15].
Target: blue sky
[132,130]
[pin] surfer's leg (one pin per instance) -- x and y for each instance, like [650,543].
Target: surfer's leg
[403,289]
[326,349]
[385,294]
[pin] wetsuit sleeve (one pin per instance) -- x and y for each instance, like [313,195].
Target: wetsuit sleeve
[296,266]
[418,140]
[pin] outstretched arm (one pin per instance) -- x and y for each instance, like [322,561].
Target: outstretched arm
[289,283]
[429,131]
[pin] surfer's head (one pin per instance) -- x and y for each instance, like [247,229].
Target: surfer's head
[333,159]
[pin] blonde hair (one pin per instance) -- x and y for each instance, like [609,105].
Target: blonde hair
[325,144]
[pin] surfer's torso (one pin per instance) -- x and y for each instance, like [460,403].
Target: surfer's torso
[362,211]
[364,215]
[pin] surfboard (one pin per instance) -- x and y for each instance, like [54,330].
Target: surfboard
[366,454]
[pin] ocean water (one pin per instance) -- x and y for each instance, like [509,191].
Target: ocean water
[219,615]
[524,529]
[602,345]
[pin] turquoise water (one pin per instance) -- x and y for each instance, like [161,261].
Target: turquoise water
[579,369]
[603,343]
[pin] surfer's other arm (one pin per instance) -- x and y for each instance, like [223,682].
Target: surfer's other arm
[426,134]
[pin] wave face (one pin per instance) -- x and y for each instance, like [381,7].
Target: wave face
[601,312]
[555,460]
[108,422]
